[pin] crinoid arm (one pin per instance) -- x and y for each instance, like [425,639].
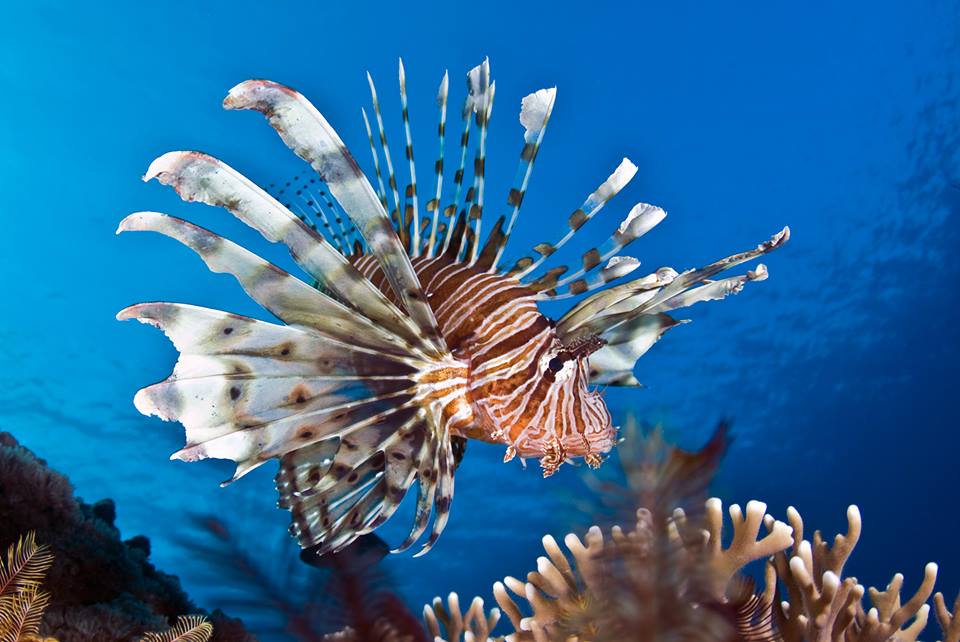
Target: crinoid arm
[188,628]
[22,602]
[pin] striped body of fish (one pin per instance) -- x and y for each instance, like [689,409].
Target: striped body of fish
[408,337]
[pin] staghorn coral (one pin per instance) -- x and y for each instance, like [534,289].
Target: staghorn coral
[449,620]
[129,597]
[823,605]
[621,585]
[670,577]
[586,593]
[949,624]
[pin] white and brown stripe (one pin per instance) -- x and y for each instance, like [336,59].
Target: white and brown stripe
[525,389]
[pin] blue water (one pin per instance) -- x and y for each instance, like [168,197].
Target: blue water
[840,371]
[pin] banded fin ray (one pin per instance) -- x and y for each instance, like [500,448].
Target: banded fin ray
[434,205]
[381,192]
[334,492]
[385,146]
[412,188]
[199,177]
[616,268]
[535,111]
[196,331]
[307,133]
[283,295]
[450,212]
[619,298]
[426,494]
[641,219]
[632,317]
[482,90]
[624,173]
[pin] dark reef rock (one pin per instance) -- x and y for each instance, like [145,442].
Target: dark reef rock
[102,588]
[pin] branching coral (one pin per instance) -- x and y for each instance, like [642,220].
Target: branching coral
[822,605]
[626,583]
[450,621]
[949,623]
[588,593]
[671,577]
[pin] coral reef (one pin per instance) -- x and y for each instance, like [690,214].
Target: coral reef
[681,571]
[670,577]
[590,598]
[100,587]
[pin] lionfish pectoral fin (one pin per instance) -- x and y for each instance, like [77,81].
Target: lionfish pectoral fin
[336,494]
[310,136]
[348,423]
[612,365]
[199,177]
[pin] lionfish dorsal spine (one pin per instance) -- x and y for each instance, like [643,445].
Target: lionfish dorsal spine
[412,188]
[450,211]
[535,111]
[381,192]
[397,213]
[434,205]
[622,175]
[308,134]
[482,90]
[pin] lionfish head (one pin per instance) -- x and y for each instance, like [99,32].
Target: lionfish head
[583,427]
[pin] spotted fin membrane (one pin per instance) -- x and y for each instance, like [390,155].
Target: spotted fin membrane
[348,391]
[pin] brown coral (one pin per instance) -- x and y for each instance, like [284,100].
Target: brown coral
[823,605]
[620,586]
[589,593]
[449,620]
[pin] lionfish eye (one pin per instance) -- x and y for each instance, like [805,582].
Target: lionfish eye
[555,364]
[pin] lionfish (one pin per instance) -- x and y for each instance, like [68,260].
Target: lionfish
[409,336]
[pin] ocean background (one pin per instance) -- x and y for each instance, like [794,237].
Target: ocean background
[840,373]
